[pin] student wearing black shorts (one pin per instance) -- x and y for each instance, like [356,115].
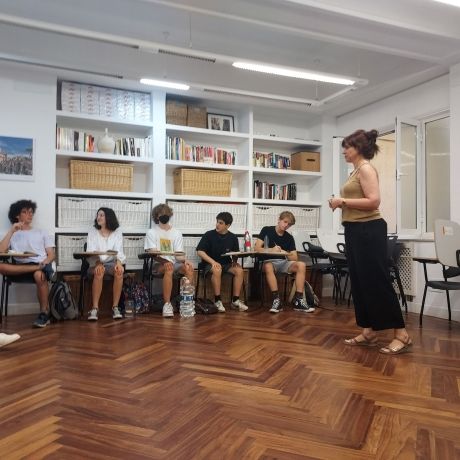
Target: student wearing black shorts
[212,245]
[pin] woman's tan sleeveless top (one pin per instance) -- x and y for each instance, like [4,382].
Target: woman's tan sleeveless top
[352,189]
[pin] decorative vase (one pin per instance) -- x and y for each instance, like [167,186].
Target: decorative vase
[106,144]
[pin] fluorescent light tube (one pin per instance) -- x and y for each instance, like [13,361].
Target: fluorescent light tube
[449,2]
[286,72]
[164,84]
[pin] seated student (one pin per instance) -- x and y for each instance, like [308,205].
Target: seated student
[21,237]
[106,236]
[163,237]
[212,245]
[279,240]
[6,339]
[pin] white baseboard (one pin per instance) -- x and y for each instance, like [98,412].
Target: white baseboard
[15,309]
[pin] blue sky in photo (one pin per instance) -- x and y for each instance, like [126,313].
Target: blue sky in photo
[15,145]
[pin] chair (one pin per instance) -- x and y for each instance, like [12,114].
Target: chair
[394,248]
[203,275]
[7,281]
[447,244]
[319,268]
[85,277]
[287,279]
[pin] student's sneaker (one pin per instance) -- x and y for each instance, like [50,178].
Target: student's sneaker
[168,311]
[238,305]
[6,339]
[48,271]
[276,306]
[220,306]
[42,320]
[92,315]
[116,313]
[301,305]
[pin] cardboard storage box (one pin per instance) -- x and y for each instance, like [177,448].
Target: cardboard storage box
[305,161]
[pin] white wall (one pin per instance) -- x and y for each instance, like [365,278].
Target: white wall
[28,110]
[417,102]
[435,96]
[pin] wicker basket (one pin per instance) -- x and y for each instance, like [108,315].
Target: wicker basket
[202,182]
[176,112]
[196,116]
[99,175]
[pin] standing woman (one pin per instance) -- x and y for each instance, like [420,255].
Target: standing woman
[106,236]
[376,305]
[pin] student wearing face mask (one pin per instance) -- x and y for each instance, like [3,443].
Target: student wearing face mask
[163,237]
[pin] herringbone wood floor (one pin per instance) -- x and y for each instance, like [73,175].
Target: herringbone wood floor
[233,386]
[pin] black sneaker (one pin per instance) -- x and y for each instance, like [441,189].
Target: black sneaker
[42,320]
[301,305]
[48,271]
[276,306]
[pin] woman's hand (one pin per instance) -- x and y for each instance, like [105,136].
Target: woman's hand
[335,203]
[118,268]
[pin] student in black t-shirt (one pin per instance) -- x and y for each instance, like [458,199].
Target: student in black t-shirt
[212,245]
[277,239]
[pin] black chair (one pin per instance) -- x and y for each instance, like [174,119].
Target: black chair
[7,281]
[394,248]
[286,279]
[321,265]
[85,277]
[447,242]
[203,275]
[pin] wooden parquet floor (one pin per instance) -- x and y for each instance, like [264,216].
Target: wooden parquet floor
[234,386]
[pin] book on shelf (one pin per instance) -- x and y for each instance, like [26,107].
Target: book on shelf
[178,149]
[81,141]
[269,191]
[271,160]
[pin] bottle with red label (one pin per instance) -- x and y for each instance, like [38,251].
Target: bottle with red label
[247,242]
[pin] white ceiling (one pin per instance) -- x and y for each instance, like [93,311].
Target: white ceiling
[389,44]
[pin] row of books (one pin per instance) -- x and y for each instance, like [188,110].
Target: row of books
[80,141]
[140,147]
[271,160]
[268,191]
[178,149]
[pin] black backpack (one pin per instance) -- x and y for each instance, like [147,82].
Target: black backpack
[61,302]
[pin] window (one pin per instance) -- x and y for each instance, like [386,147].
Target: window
[437,167]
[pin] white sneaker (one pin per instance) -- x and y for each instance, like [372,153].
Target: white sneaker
[116,313]
[6,339]
[220,306]
[168,311]
[92,315]
[238,305]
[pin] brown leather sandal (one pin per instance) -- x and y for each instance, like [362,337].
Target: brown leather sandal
[362,341]
[396,350]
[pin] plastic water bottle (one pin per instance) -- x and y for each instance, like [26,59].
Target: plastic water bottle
[187,302]
[129,308]
[266,243]
[247,242]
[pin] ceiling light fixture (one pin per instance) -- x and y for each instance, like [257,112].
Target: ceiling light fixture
[449,2]
[293,73]
[164,84]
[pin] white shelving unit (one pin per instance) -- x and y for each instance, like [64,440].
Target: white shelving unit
[69,236]
[153,175]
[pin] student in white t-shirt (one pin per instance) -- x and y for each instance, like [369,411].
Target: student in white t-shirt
[163,237]
[106,235]
[20,238]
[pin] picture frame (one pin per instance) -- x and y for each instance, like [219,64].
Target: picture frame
[220,122]
[17,158]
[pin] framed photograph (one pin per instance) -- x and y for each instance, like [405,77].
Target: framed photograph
[16,158]
[220,122]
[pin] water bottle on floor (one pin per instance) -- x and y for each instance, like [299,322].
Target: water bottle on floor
[187,302]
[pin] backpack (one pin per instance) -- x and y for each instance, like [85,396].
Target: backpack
[61,302]
[308,294]
[138,293]
[205,307]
